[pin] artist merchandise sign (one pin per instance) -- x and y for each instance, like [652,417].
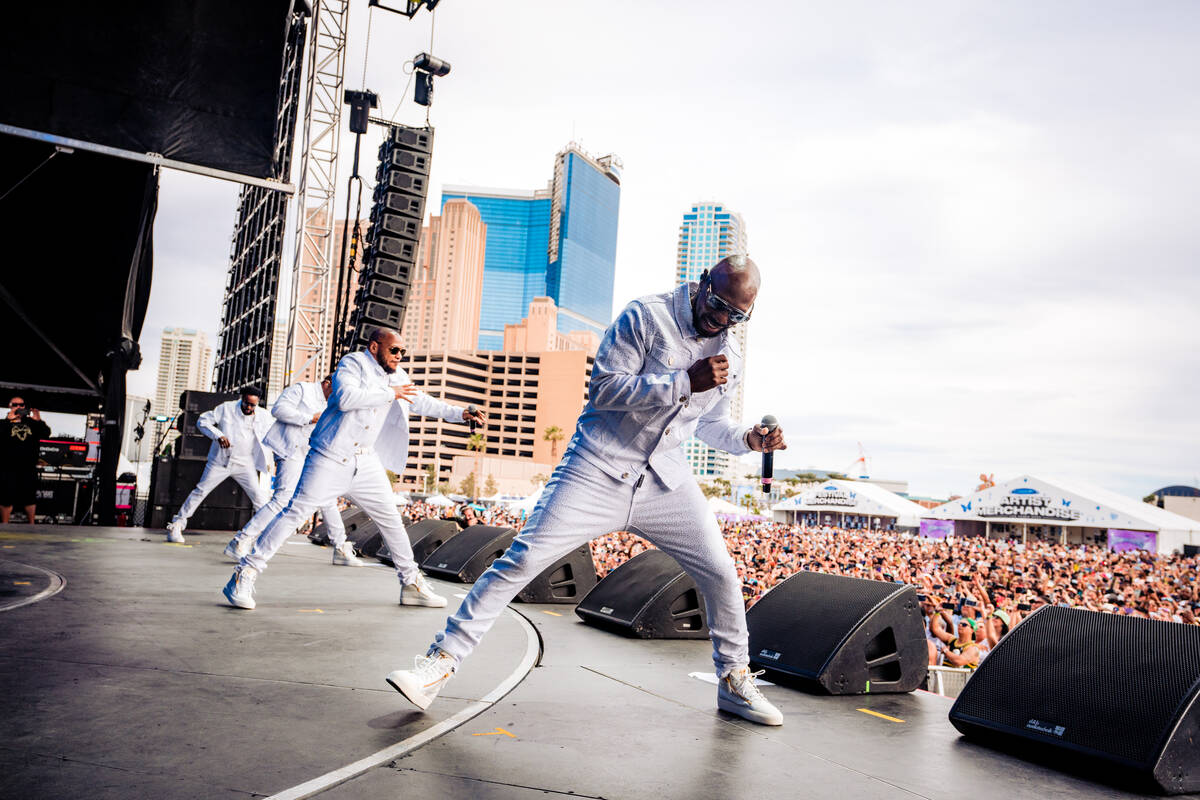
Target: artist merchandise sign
[1030,507]
[832,497]
[1120,540]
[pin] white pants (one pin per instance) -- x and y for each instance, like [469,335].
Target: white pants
[580,503]
[245,475]
[364,481]
[287,475]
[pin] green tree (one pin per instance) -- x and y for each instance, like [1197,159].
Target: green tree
[467,487]
[539,479]
[431,478]
[489,486]
[476,442]
[553,434]
[711,490]
[724,485]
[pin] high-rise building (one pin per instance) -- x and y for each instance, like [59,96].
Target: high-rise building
[559,242]
[585,198]
[184,362]
[710,232]
[447,290]
[532,392]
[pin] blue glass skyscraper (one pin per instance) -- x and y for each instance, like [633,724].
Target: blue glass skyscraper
[558,242]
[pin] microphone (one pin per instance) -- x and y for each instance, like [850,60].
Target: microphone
[768,462]
[471,419]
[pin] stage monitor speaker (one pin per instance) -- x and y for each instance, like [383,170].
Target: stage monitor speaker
[1112,695]
[425,537]
[845,635]
[565,581]
[466,555]
[319,535]
[363,533]
[649,597]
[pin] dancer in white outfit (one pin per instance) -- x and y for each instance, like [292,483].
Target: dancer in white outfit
[663,373]
[296,411]
[362,433]
[237,428]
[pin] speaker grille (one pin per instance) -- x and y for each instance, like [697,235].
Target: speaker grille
[1087,680]
[814,614]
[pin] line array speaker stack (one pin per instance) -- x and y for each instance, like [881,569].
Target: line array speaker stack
[1112,695]
[648,597]
[402,183]
[844,635]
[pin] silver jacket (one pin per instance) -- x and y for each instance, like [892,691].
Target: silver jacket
[640,407]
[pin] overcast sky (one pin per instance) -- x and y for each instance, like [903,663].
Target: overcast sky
[976,222]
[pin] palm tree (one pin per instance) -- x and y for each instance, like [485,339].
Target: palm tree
[553,435]
[476,442]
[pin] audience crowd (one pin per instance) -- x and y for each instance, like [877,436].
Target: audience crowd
[972,590]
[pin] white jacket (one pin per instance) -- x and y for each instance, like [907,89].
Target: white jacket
[223,421]
[293,412]
[364,415]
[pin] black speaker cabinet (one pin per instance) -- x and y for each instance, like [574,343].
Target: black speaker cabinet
[465,556]
[320,532]
[845,635]
[1113,692]
[425,537]
[648,597]
[565,581]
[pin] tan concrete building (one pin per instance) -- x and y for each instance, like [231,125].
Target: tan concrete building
[184,362]
[443,308]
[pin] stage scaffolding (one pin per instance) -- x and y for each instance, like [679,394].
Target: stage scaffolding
[256,254]
[311,310]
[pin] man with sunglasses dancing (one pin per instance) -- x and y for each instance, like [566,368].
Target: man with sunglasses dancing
[237,428]
[296,412]
[362,433]
[664,371]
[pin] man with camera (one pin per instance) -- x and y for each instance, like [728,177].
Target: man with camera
[21,431]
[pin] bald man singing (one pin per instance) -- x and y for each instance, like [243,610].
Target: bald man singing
[664,372]
[362,433]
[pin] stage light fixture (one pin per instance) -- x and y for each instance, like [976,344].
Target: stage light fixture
[427,67]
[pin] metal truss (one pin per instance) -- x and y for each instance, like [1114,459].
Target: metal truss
[256,253]
[310,313]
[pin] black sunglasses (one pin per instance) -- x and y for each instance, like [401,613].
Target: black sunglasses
[394,349]
[16,405]
[717,303]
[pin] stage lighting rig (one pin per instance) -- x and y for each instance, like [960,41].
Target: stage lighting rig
[427,68]
[411,7]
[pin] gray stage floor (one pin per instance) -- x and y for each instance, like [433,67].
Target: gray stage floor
[136,680]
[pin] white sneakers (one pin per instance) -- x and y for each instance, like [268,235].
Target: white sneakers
[240,589]
[737,694]
[343,556]
[240,545]
[420,593]
[175,532]
[422,683]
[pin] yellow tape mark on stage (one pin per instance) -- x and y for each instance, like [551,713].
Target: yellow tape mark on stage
[169,544]
[9,546]
[20,583]
[497,732]
[551,613]
[881,716]
[310,611]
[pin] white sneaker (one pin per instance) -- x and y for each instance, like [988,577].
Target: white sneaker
[343,556]
[420,593]
[175,532]
[239,546]
[423,682]
[737,694]
[240,589]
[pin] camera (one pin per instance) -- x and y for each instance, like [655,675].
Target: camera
[23,411]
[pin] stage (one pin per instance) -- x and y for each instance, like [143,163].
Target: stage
[127,675]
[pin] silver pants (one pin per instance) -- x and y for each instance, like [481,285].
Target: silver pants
[580,503]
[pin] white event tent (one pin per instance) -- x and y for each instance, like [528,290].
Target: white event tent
[852,504]
[1065,511]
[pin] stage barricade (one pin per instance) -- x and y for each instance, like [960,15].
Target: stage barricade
[948,681]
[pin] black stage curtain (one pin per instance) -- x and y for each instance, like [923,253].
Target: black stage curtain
[193,80]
